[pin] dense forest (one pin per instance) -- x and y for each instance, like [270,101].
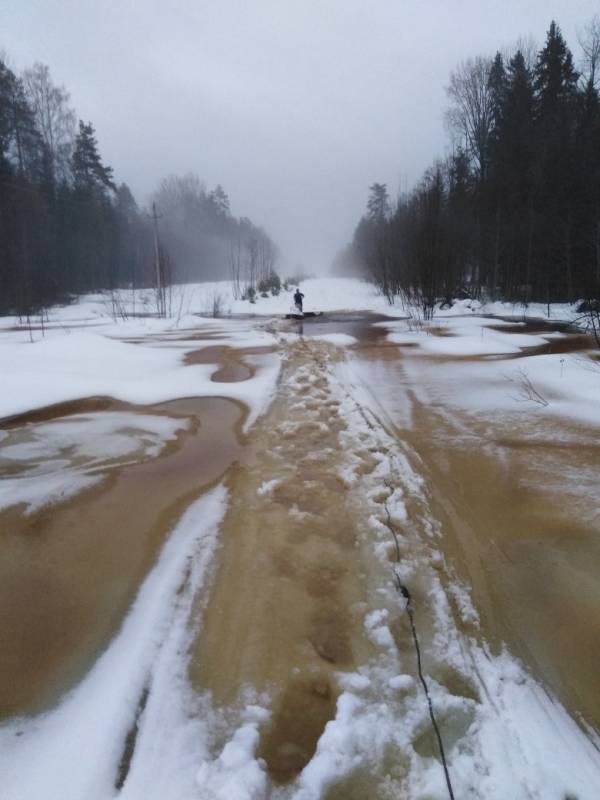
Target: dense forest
[514,211]
[67,226]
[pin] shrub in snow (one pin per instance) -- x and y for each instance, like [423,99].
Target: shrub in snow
[249,294]
[271,283]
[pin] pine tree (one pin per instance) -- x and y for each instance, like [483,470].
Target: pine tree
[378,204]
[88,170]
[555,76]
[219,200]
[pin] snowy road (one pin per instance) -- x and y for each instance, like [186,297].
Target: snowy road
[269,651]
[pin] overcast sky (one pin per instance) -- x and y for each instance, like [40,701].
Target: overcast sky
[294,106]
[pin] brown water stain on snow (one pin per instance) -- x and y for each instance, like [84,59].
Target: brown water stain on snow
[85,405]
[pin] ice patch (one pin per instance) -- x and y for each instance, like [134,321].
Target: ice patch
[266,487]
[52,461]
[41,490]
[339,339]
[299,516]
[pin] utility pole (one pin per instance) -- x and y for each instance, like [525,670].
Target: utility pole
[159,287]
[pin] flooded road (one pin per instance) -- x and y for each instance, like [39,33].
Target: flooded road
[518,500]
[375,470]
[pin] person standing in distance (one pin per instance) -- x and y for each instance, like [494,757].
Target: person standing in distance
[298,298]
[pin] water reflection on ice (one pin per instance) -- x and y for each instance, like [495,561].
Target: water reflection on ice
[51,461]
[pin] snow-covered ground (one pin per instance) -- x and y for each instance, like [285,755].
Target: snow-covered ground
[135,310]
[508,738]
[72,363]
[85,349]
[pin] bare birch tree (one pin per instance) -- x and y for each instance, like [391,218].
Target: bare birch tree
[235,263]
[589,41]
[470,115]
[266,259]
[54,119]
[251,265]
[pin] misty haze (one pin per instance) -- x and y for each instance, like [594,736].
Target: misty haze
[300,368]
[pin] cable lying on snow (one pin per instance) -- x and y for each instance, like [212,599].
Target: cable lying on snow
[411,615]
[403,590]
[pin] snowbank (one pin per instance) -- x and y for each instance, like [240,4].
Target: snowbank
[81,363]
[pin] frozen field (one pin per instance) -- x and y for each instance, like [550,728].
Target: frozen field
[210,528]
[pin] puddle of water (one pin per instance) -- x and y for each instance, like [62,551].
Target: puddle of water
[47,459]
[532,326]
[570,340]
[299,718]
[359,325]
[573,343]
[232,366]
[69,572]
[87,405]
[528,551]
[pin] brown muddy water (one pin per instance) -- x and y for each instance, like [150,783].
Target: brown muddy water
[286,607]
[233,366]
[518,506]
[561,337]
[521,521]
[69,572]
[520,511]
[361,325]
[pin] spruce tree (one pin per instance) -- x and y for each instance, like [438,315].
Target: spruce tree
[555,85]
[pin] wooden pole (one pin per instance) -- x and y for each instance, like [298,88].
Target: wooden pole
[159,286]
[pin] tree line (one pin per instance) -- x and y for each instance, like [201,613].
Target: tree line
[67,227]
[514,211]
